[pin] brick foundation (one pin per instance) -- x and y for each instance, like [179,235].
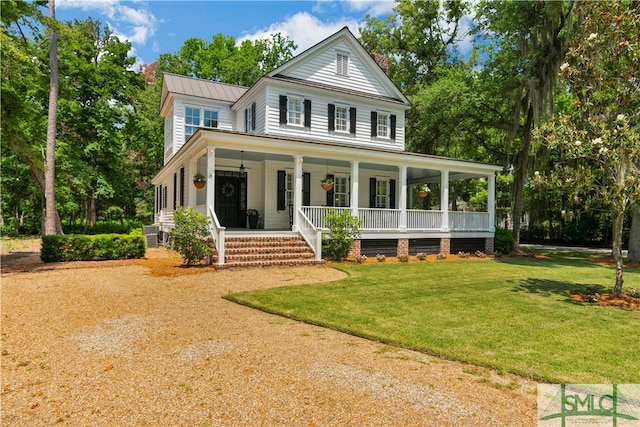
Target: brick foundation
[403,247]
[354,250]
[445,246]
[489,247]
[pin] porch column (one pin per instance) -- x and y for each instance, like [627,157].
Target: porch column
[211,178]
[193,168]
[297,190]
[403,198]
[353,197]
[444,199]
[491,201]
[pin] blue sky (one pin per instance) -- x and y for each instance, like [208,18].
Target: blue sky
[156,26]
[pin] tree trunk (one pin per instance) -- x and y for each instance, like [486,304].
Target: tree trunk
[51,213]
[618,220]
[522,165]
[634,235]
[92,214]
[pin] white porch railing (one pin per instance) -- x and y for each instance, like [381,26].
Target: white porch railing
[164,220]
[417,220]
[424,220]
[379,219]
[311,234]
[315,214]
[469,221]
[218,232]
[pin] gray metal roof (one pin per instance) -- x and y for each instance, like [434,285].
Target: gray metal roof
[207,89]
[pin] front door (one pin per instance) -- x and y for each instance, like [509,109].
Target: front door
[230,199]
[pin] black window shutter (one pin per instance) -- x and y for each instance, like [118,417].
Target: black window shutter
[246,116]
[393,126]
[253,116]
[283,109]
[331,115]
[282,189]
[181,186]
[372,192]
[330,193]
[352,121]
[175,191]
[374,124]
[306,189]
[307,113]
[392,194]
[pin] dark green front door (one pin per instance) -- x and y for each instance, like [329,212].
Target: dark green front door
[230,199]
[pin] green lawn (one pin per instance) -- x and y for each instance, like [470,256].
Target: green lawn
[513,315]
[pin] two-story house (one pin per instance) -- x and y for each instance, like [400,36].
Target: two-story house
[330,113]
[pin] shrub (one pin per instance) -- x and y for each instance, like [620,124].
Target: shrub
[463,254]
[480,254]
[421,256]
[343,230]
[74,247]
[634,293]
[504,240]
[381,258]
[441,255]
[403,258]
[190,236]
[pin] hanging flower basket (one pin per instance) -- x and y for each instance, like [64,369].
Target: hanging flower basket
[199,180]
[423,191]
[327,184]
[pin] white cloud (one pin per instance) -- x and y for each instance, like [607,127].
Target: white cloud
[304,29]
[132,22]
[372,7]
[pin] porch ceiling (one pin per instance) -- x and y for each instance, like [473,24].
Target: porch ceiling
[414,175]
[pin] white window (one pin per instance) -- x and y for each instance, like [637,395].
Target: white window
[342,119]
[382,194]
[383,125]
[296,110]
[340,191]
[288,194]
[198,117]
[342,64]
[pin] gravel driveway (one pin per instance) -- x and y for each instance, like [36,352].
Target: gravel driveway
[136,343]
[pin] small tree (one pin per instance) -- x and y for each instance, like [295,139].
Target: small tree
[343,230]
[190,236]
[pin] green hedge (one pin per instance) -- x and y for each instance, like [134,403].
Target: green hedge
[78,247]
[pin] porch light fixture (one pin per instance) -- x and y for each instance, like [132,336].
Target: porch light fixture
[242,169]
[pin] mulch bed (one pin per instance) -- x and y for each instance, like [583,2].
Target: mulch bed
[609,300]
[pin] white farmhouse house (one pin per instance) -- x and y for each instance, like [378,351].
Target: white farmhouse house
[331,112]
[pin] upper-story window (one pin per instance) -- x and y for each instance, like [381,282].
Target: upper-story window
[341,118]
[198,117]
[383,125]
[295,110]
[342,64]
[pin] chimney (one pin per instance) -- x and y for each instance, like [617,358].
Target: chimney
[382,62]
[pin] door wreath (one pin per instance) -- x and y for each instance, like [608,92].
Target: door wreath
[228,190]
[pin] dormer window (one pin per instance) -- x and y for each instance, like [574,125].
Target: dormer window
[195,118]
[342,64]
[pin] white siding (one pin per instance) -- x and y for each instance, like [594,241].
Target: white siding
[260,113]
[319,121]
[322,69]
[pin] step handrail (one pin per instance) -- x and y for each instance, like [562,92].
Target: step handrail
[311,234]
[217,232]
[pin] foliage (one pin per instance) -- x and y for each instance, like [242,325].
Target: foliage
[503,241]
[597,142]
[403,258]
[343,230]
[464,300]
[221,59]
[381,257]
[421,256]
[76,247]
[191,236]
